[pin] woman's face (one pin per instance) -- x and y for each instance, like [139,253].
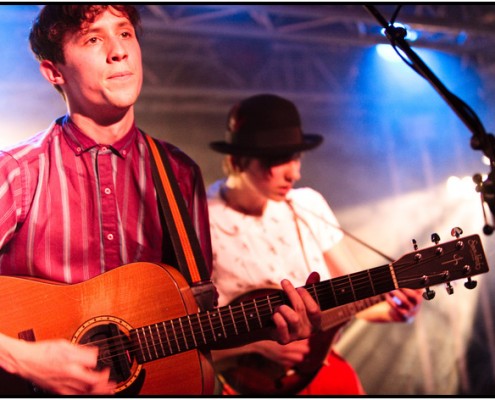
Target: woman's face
[274,183]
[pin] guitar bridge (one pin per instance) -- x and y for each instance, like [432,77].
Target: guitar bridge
[27,335]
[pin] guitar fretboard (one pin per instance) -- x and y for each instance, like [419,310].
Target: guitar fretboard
[339,315]
[191,331]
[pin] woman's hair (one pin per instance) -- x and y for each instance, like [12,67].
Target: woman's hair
[55,21]
[233,164]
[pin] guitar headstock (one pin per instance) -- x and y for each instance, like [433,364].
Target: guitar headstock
[461,258]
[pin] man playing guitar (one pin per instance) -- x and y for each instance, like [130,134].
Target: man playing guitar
[77,201]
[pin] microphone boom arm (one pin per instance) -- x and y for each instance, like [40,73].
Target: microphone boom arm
[480,140]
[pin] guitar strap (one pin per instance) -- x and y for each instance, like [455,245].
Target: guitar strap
[187,250]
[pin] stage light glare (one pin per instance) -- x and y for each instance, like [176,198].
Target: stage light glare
[411,34]
[388,53]
[461,188]
[485,160]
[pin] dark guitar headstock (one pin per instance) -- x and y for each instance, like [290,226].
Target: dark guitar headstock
[443,263]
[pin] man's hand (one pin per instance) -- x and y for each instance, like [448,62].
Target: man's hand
[57,366]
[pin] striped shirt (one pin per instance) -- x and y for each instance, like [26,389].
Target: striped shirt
[71,209]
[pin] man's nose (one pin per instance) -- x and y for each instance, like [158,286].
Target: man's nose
[117,50]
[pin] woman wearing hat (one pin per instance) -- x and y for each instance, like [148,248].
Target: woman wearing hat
[263,230]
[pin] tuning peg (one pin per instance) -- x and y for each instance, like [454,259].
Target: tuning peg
[449,288]
[470,284]
[488,229]
[456,232]
[428,294]
[415,244]
[435,238]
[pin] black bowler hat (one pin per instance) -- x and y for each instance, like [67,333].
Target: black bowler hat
[265,125]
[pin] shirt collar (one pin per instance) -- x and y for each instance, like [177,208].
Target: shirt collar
[80,143]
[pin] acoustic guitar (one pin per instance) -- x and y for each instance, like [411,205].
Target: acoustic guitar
[144,320]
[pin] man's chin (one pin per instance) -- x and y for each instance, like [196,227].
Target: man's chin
[123,99]
[125,103]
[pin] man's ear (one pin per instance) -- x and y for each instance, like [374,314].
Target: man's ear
[51,72]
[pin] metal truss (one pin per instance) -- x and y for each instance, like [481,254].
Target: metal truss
[201,57]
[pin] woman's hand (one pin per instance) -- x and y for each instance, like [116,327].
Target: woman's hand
[404,304]
[286,355]
[300,320]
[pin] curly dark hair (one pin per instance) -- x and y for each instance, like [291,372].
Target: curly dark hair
[55,21]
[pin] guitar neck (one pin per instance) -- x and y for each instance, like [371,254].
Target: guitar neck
[207,328]
[339,315]
[460,258]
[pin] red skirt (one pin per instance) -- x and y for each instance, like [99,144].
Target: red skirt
[335,377]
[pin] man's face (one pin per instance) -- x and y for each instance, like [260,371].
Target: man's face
[102,74]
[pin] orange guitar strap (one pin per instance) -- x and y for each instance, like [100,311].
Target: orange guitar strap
[185,242]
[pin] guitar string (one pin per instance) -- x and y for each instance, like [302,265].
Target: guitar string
[352,279]
[157,345]
[219,325]
[262,311]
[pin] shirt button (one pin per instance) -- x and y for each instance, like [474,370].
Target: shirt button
[110,236]
[108,190]
[104,148]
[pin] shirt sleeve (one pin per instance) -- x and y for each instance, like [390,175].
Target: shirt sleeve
[10,197]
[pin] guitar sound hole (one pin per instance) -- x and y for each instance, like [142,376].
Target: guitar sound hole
[114,351]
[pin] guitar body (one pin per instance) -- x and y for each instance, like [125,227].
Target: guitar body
[113,303]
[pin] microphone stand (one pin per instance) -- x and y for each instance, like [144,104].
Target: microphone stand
[481,140]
